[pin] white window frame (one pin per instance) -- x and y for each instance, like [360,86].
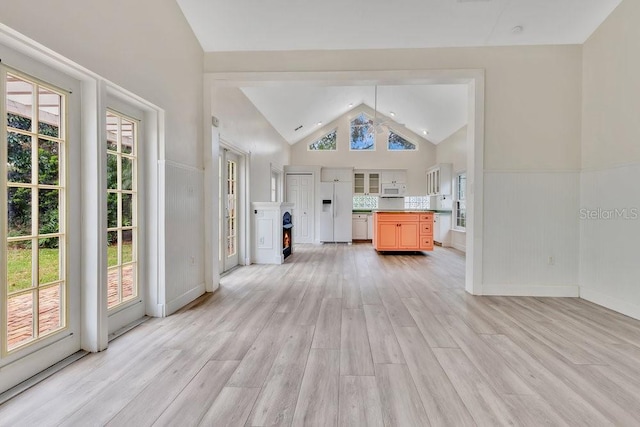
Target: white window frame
[457,199]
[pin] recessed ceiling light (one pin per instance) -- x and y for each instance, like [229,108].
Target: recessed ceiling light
[517,29]
[424,132]
[350,105]
[319,123]
[392,114]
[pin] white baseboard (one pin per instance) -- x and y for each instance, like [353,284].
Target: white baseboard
[531,291]
[612,303]
[461,248]
[184,299]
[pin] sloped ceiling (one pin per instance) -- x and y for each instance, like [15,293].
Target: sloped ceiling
[232,25]
[439,110]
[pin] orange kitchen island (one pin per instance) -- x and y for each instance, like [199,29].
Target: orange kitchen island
[402,231]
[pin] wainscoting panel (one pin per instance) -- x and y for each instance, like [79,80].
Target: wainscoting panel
[184,245]
[610,238]
[531,234]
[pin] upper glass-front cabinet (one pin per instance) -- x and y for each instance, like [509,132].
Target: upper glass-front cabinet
[366,183]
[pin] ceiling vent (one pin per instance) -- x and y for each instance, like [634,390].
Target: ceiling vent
[298,128]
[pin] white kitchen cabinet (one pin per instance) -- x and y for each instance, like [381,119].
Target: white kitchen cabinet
[439,179]
[366,183]
[360,227]
[442,229]
[336,175]
[393,176]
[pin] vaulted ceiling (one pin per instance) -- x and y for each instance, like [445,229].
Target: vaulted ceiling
[232,25]
[251,25]
[431,111]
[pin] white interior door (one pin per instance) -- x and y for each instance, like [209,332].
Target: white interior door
[300,193]
[229,209]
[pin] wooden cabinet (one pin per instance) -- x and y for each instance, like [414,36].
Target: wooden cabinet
[439,179]
[366,183]
[403,231]
[336,175]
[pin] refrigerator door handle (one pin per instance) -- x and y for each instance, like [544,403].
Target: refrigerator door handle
[334,206]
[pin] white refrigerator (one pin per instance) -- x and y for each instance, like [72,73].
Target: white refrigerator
[336,199]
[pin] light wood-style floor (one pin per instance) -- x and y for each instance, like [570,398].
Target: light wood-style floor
[340,335]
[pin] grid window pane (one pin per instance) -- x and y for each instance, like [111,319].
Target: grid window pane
[18,158]
[48,211]
[19,261]
[48,261]
[20,320]
[48,167]
[50,309]
[19,211]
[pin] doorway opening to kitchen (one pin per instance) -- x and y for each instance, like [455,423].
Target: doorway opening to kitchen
[472,79]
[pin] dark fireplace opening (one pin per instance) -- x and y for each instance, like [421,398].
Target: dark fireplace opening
[287,235]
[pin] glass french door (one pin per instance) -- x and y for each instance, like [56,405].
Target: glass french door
[122,218]
[228,210]
[39,193]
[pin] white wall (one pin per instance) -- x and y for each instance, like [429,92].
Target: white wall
[415,162]
[609,268]
[454,150]
[147,48]
[244,127]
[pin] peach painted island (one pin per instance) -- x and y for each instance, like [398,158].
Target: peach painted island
[403,231]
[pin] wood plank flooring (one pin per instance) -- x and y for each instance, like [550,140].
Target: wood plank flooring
[342,336]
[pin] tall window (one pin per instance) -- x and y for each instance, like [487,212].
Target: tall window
[460,202]
[326,143]
[34,286]
[122,201]
[362,136]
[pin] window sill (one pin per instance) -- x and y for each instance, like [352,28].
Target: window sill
[459,230]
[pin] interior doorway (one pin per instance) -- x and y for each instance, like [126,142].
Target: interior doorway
[300,192]
[231,206]
[474,79]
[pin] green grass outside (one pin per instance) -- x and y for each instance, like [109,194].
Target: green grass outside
[19,265]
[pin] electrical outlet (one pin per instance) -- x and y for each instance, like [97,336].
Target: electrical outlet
[552,261]
[193,260]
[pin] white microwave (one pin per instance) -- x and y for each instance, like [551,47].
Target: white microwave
[392,189]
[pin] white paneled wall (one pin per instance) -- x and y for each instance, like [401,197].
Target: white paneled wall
[531,234]
[184,235]
[609,236]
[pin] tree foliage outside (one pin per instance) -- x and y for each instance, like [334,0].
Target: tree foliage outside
[398,143]
[327,142]
[362,133]
[19,170]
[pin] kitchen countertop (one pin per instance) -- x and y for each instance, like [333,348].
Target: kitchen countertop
[368,211]
[412,210]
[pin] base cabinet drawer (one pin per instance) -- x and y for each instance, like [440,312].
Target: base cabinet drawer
[426,228]
[426,242]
